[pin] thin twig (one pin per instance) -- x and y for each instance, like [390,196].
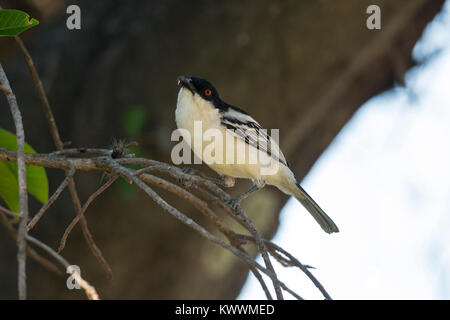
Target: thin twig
[23,194]
[184,194]
[116,168]
[33,254]
[260,279]
[9,212]
[83,152]
[205,210]
[40,88]
[62,243]
[92,152]
[59,146]
[244,219]
[262,250]
[50,201]
[273,249]
[90,291]
[87,234]
[239,219]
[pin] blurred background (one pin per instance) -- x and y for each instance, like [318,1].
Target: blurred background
[386,178]
[363,114]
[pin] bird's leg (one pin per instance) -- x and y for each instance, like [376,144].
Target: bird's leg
[186,171]
[233,202]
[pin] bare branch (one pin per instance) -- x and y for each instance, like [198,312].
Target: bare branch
[62,243]
[262,249]
[46,106]
[90,291]
[213,193]
[83,152]
[84,228]
[290,261]
[59,146]
[198,203]
[21,175]
[33,254]
[261,282]
[9,212]
[205,210]
[116,168]
[50,201]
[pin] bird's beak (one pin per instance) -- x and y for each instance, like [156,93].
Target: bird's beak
[182,81]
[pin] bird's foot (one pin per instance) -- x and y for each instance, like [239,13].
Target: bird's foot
[185,182]
[234,203]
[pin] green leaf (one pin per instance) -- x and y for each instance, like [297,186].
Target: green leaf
[134,118]
[9,188]
[13,22]
[37,182]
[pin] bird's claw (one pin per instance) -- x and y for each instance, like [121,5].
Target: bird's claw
[185,182]
[233,203]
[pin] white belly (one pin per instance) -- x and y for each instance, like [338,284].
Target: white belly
[191,109]
[228,159]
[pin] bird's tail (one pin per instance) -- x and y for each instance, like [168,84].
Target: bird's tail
[321,217]
[286,182]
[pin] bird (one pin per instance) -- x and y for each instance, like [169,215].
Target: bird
[199,104]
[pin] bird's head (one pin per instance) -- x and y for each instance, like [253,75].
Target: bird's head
[198,86]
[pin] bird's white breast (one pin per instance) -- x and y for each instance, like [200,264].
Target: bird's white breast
[192,108]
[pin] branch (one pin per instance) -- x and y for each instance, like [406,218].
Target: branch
[91,293]
[33,254]
[23,195]
[290,261]
[212,192]
[9,212]
[83,210]
[50,201]
[59,146]
[40,88]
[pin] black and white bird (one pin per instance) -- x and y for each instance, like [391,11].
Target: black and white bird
[198,101]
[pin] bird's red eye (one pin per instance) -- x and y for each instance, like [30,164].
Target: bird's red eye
[207,92]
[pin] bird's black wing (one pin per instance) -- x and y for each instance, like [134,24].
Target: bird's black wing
[250,131]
